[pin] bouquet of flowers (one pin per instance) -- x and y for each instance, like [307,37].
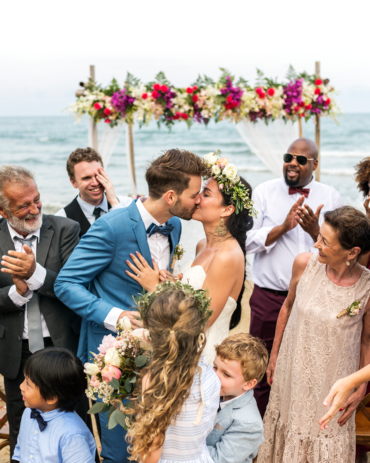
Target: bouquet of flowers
[352,310]
[115,370]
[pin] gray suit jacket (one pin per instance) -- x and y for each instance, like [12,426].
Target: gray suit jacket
[58,238]
[237,433]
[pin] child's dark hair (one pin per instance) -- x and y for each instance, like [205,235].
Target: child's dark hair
[57,372]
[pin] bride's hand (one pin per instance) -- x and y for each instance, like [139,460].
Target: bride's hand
[146,276]
[165,275]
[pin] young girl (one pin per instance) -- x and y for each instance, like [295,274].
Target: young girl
[180,391]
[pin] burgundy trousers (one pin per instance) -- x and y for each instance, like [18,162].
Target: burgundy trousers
[265,308]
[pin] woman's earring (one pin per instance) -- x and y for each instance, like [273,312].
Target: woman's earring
[221,228]
[348,263]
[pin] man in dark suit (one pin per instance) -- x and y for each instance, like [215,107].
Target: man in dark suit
[34,248]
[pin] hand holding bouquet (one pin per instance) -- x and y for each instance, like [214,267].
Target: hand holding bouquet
[115,370]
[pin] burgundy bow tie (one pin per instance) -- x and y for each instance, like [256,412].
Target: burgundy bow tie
[302,191]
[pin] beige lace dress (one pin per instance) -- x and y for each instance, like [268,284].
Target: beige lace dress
[317,349]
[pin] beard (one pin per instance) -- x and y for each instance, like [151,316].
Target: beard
[291,182]
[23,226]
[182,212]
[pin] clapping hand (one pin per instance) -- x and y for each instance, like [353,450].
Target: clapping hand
[291,219]
[21,264]
[146,276]
[20,285]
[308,220]
[106,183]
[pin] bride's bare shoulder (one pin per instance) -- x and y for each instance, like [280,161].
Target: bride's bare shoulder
[229,256]
[200,246]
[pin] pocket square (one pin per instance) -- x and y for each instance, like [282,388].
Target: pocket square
[218,426]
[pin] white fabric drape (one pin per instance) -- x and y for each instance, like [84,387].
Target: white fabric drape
[269,142]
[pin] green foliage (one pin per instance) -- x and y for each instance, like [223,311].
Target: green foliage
[140,361]
[291,74]
[112,88]
[131,80]
[128,385]
[115,384]
[99,407]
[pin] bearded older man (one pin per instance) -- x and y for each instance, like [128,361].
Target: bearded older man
[34,248]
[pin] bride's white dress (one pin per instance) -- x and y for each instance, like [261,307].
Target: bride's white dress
[195,277]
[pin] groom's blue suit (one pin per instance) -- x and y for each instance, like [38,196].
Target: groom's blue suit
[94,281]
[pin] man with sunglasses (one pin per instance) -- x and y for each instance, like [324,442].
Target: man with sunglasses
[288,223]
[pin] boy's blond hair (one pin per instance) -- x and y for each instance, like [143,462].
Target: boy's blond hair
[249,351]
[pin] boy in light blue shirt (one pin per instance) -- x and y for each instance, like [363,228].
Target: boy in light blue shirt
[240,363]
[51,431]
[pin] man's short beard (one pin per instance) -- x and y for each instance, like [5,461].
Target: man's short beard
[291,182]
[181,212]
[22,225]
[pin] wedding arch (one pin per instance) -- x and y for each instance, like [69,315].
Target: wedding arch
[268,115]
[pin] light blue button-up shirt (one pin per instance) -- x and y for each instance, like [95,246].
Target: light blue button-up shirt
[66,439]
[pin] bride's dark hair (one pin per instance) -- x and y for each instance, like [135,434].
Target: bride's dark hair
[238,226]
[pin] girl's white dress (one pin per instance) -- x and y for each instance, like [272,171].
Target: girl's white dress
[186,441]
[195,276]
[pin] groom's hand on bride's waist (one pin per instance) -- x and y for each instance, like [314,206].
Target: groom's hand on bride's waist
[134,318]
[165,275]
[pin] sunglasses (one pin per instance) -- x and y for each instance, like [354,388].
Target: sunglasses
[302,160]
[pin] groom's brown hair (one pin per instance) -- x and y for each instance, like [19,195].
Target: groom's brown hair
[171,171]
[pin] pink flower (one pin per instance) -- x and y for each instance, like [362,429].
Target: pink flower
[107,342]
[97,106]
[107,111]
[109,372]
[221,186]
[357,311]
[94,382]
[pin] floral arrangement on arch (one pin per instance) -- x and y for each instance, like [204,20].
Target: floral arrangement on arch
[302,96]
[115,369]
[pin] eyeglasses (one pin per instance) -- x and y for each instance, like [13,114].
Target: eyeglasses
[302,160]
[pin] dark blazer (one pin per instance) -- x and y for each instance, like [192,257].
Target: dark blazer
[58,238]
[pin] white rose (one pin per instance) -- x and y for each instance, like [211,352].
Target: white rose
[125,323]
[91,369]
[112,357]
[216,170]
[210,159]
[230,171]
[144,337]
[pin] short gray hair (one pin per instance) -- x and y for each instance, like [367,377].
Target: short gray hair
[12,174]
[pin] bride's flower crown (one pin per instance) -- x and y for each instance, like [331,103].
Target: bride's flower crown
[229,182]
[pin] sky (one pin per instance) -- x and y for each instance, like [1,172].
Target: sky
[47,46]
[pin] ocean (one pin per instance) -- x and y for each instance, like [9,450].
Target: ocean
[43,144]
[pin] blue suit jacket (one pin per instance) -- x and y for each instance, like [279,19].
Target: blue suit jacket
[238,431]
[94,280]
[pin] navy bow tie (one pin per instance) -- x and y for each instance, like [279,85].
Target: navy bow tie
[165,231]
[37,416]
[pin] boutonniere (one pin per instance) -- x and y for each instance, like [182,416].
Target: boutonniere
[177,255]
[352,310]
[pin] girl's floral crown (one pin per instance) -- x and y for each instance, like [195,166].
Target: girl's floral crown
[203,302]
[229,182]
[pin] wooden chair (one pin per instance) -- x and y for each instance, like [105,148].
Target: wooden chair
[3,421]
[362,420]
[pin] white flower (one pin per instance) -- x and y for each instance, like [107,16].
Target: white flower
[125,323]
[112,357]
[144,337]
[230,171]
[216,170]
[91,369]
[210,159]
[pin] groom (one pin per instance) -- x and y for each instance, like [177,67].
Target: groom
[94,283]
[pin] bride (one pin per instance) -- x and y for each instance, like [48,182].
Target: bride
[226,212]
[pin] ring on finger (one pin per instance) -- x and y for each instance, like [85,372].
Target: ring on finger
[138,275]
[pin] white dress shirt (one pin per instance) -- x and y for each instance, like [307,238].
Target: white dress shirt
[159,247]
[34,282]
[88,209]
[272,266]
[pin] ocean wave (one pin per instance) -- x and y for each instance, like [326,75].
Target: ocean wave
[337,172]
[345,154]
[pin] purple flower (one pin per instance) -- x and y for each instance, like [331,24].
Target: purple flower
[121,101]
[293,95]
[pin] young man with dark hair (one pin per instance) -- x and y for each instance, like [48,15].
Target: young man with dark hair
[94,283]
[96,191]
[51,430]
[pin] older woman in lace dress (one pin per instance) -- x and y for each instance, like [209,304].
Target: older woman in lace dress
[313,347]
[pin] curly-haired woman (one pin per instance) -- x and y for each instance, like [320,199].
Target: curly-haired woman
[180,390]
[363,181]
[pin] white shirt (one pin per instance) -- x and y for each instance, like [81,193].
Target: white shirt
[227,402]
[88,209]
[34,282]
[272,266]
[159,247]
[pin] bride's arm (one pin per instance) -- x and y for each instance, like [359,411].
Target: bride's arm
[221,278]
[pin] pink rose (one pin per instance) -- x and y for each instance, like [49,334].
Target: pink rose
[109,372]
[94,382]
[357,311]
[107,342]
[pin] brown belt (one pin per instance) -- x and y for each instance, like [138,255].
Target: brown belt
[276,292]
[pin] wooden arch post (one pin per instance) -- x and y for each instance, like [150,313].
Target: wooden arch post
[317,128]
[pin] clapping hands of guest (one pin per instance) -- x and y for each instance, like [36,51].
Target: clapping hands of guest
[20,264]
[107,184]
[309,220]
